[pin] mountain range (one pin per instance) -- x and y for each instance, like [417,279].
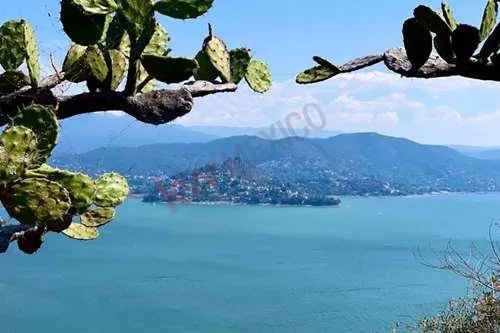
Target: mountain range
[362,163]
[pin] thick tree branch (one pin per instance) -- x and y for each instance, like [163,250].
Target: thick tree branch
[11,233]
[157,107]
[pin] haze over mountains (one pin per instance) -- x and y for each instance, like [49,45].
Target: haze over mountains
[366,163]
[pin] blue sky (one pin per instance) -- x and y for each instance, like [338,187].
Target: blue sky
[286,34]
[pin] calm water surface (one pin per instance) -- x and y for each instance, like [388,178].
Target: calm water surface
[246,269]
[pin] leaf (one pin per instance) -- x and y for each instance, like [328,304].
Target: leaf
[97,6]
[316,74]
[431,20]
[169,70]
[80,232]
[183,9]
[417,41]
[489,19]
[82,28]
[258,76]
[448,16]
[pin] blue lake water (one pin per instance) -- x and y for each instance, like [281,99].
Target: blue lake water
[246,269]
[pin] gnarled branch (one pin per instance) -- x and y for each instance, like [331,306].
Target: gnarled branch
[157,107]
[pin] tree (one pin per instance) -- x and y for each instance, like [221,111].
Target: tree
[456,46]
[120,51]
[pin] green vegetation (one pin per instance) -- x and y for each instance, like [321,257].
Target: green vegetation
[116,43]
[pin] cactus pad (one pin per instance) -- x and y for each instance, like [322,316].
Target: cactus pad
[183,9]
[258,76]
[74,64]
[97,63]
[431,20]
[489,19]
[118,68]
[219,56]
[111,190]
[43,121]
[442,44]
[80,187]
[417,41]
[30,241]
[12,44]
[205,71]
[97,6]
[316,74]
[98,217]
[11,81]
[158,42]
[491,44]
[82,28]
[80,232]
[37,200]
[136,14]
[465,40]
[239,59]
[169,70]
[448,16]
[18,150]
[32,56]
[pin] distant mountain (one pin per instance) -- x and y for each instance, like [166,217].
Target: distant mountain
[483,153]
[88,132]
[364,163]
[273,132]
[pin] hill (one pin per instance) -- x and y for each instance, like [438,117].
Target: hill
[359,164]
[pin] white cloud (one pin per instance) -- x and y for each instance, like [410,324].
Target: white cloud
[447,110]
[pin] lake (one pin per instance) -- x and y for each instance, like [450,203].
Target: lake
[246,269]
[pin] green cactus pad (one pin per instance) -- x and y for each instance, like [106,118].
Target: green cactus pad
[258,76]
[118,68]
[136,14]
[169,70]
[111,190]
[97,63]
[239,59]
[74,65]
[11,81]
[80,232]
[489,19]
[442,44]
[431,20]
[37,200]
[43,121]
[183,9]
[97,6]
[18,151]
[205,71]
[316,74]
[32,56]
[80,27]
[158,42]
[116,34]
[80,187]
[12,44]
[465,40]
[448,16]
[98,217]
[219,56]
[417,41]
[491,44]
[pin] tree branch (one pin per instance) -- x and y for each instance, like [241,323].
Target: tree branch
[157,107]
[397,61]
[10,233]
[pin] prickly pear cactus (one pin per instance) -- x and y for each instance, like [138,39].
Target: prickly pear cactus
[448,15]
[12,44]
[111,190]
[431,20]
[97,6]
[158,43]
[43,122]
[316,74]
[465,40]
[205,71]
[118,68]
[258,76]
[218,54]
[18,150]
[97,63]
[81,232]
[136,15]
[32,56]
[11,81]
[489,19]
[183,9]
[81,27]
[98,217]
[417,41]
[169,70]
[74,64]
[240,58]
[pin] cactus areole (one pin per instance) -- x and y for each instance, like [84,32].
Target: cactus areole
[120,51]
